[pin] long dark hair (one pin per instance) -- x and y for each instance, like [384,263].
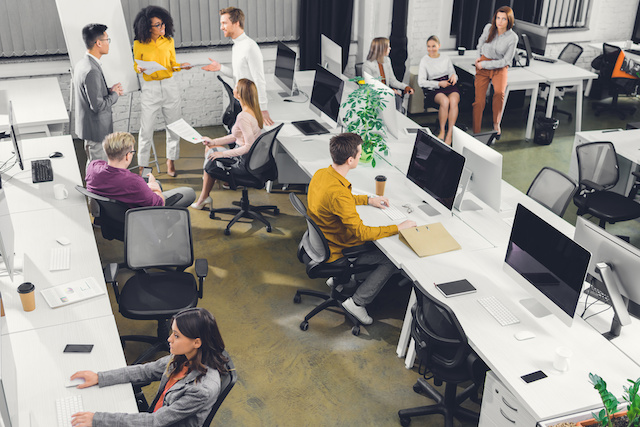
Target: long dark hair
[142,23]
[510,20]
[199,323]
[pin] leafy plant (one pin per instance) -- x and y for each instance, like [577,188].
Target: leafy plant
[608,399]
[633,400]
[363,107]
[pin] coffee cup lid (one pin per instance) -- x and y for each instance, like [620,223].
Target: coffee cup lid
[26,287]
[381,178]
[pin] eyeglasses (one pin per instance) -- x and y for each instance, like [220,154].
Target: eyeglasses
[408,207]
[160,25]
[108,40]
[131,152]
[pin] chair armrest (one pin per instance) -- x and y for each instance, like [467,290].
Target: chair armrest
[202,267]
[110,274]
[636,174]
[172,200]
[356,251]
[591,185]
[227,161]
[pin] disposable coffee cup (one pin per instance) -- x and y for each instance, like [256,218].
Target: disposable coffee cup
[461,50]
[60,192]
[562,359]
[27,296]
[381,180]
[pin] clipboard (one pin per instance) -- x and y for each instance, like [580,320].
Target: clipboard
[430,239]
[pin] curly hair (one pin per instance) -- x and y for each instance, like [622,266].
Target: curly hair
[142,23]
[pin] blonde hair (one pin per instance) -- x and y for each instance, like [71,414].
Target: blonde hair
[118,144]
[235,15]
[248,95]
[378,49]
[435,39]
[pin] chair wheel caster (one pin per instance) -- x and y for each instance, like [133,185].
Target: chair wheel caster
[404,422]
[276,211]
[417,388]
[304,325]
[355,330]
[297,299]
[227,232]
[269,229]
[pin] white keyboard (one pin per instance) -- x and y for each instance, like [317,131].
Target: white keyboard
[498,311]
[394,213]
[60,258]
[67,406]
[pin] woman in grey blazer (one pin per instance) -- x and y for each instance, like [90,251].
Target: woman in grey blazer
[189,377]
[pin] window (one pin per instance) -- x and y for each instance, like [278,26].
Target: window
[564,13]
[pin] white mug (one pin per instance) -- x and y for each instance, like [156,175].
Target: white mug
[563,356]
[60,192]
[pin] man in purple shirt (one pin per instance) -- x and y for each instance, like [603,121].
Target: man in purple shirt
[114,180]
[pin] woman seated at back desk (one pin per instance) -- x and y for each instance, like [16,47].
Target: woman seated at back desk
[378,65]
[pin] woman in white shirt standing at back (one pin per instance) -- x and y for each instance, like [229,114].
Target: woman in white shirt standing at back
[438,79]
[378,65]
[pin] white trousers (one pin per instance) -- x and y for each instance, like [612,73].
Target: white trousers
[158,95]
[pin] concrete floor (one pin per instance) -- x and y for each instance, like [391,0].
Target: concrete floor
[324,376]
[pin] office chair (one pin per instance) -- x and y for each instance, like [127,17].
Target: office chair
[553,190]
[443,351]
[313,252]
[158,248]
[112,213]
[616,85]
[598,174]
[227,381]
[254,169]
[487,137]
[359,69]
[569,54]
[232,110]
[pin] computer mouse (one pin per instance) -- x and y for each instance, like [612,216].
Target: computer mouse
[64,241]
[55,154]
[524,335]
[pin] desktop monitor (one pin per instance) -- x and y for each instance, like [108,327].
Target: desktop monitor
[15,136]
[326,95]
[435,168]
[285,69]
[537,35]
[548,264]
[7,239]
[330,55]
[389,113]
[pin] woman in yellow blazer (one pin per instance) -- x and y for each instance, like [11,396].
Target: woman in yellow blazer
[153,28]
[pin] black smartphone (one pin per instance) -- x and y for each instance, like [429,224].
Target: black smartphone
[534,376]
[78,348]
[145,173]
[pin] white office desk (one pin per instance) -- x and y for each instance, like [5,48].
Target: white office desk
[22,194]
[38,105]
[42,368]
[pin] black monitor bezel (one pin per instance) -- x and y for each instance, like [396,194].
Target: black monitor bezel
[286,81]
[337,84]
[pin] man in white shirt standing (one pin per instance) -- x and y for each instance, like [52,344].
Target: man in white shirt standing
[246,58]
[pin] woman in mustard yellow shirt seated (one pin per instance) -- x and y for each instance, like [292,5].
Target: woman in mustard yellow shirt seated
[153,28]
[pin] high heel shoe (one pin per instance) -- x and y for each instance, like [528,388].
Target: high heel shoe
[207,201]
[171,169]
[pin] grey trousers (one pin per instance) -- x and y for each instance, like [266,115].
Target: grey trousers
[188,196]
[375,281]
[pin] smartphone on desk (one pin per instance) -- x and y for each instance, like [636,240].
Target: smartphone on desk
[78,348]
[145,174]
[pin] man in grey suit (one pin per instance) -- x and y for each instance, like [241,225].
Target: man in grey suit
[93,97]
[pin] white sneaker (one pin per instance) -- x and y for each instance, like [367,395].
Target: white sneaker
[360,313]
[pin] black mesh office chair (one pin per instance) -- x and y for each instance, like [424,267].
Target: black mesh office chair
[487,137]
[158,248]
[552,189]
[570,54]
[313,252]
[598,174]
[616,86]
[443,352]
[254,169]
[227,381]
[232,110]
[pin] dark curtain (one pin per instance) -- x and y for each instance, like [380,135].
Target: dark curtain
[398,37]
[332,18]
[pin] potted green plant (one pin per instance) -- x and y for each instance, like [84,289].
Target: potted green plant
[607,417]
[363,107]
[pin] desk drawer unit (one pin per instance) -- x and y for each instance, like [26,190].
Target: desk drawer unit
[500,407]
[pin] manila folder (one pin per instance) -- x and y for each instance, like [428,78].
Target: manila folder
[427,240]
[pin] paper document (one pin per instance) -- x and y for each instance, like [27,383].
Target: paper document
[197,65]
[68,293]
[185,131]
[150,67]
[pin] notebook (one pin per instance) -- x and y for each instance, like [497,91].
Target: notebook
[71,292]
[431,239]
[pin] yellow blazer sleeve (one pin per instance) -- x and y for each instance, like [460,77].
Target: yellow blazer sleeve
[345,207]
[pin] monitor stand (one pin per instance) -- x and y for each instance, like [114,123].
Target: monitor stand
[428,209]
[460,204]
[534,307]
[620,310]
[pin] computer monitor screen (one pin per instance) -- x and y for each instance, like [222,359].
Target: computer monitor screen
[326,94]
[15,136]
[389,113]
[285,68]
[548,264]
[330,55]
[537,35]
[435,168]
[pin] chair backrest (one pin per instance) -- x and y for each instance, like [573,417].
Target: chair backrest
[233,109]
[227,381]
[552,189]
[260,161]
[441,343]
[158,237]
[112,214]
[597,162]
[610,56]
[359,69]
[313,242]
[571,53]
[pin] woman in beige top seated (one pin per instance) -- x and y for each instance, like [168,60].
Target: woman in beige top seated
[378,65]
[245,131]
